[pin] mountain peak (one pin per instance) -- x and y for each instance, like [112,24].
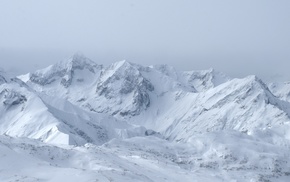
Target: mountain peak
[80,58]
[205,79]
[76,61]
[64,70]
[256,79]
[119,68]
[120,64]
[251,82]
[124,81]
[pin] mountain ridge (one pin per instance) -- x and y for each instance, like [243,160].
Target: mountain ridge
[126,121]
[126,90]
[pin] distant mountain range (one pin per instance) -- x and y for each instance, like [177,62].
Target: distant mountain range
[145,123]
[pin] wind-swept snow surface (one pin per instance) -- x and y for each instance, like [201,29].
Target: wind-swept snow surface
[216,156]
[81,121]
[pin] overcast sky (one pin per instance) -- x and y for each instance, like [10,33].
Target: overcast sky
[238,37]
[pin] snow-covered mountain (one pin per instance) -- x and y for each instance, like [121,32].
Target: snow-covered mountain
[128,122]
[176,104]
[122,89]
[240,104]
[25,113]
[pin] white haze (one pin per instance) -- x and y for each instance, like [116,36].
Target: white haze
[236,37]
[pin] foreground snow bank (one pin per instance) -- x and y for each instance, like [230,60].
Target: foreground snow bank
[215,156]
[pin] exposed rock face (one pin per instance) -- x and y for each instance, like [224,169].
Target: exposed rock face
[64,70]
[176,104]
[12,97]
[206,79]
[26,113]
[199,121]
[122,80]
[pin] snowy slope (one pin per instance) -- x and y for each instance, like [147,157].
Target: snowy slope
[176,104]
[217,156]
[246,104]
[55,120]
[202,123]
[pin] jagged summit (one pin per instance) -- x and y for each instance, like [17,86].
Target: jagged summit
[122,82]
[203,80]
[243,105]
[244,87]
[64,71]
[127,89]
[25,112]
[185,121]
[120,64]
[120,68]
[78,61]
